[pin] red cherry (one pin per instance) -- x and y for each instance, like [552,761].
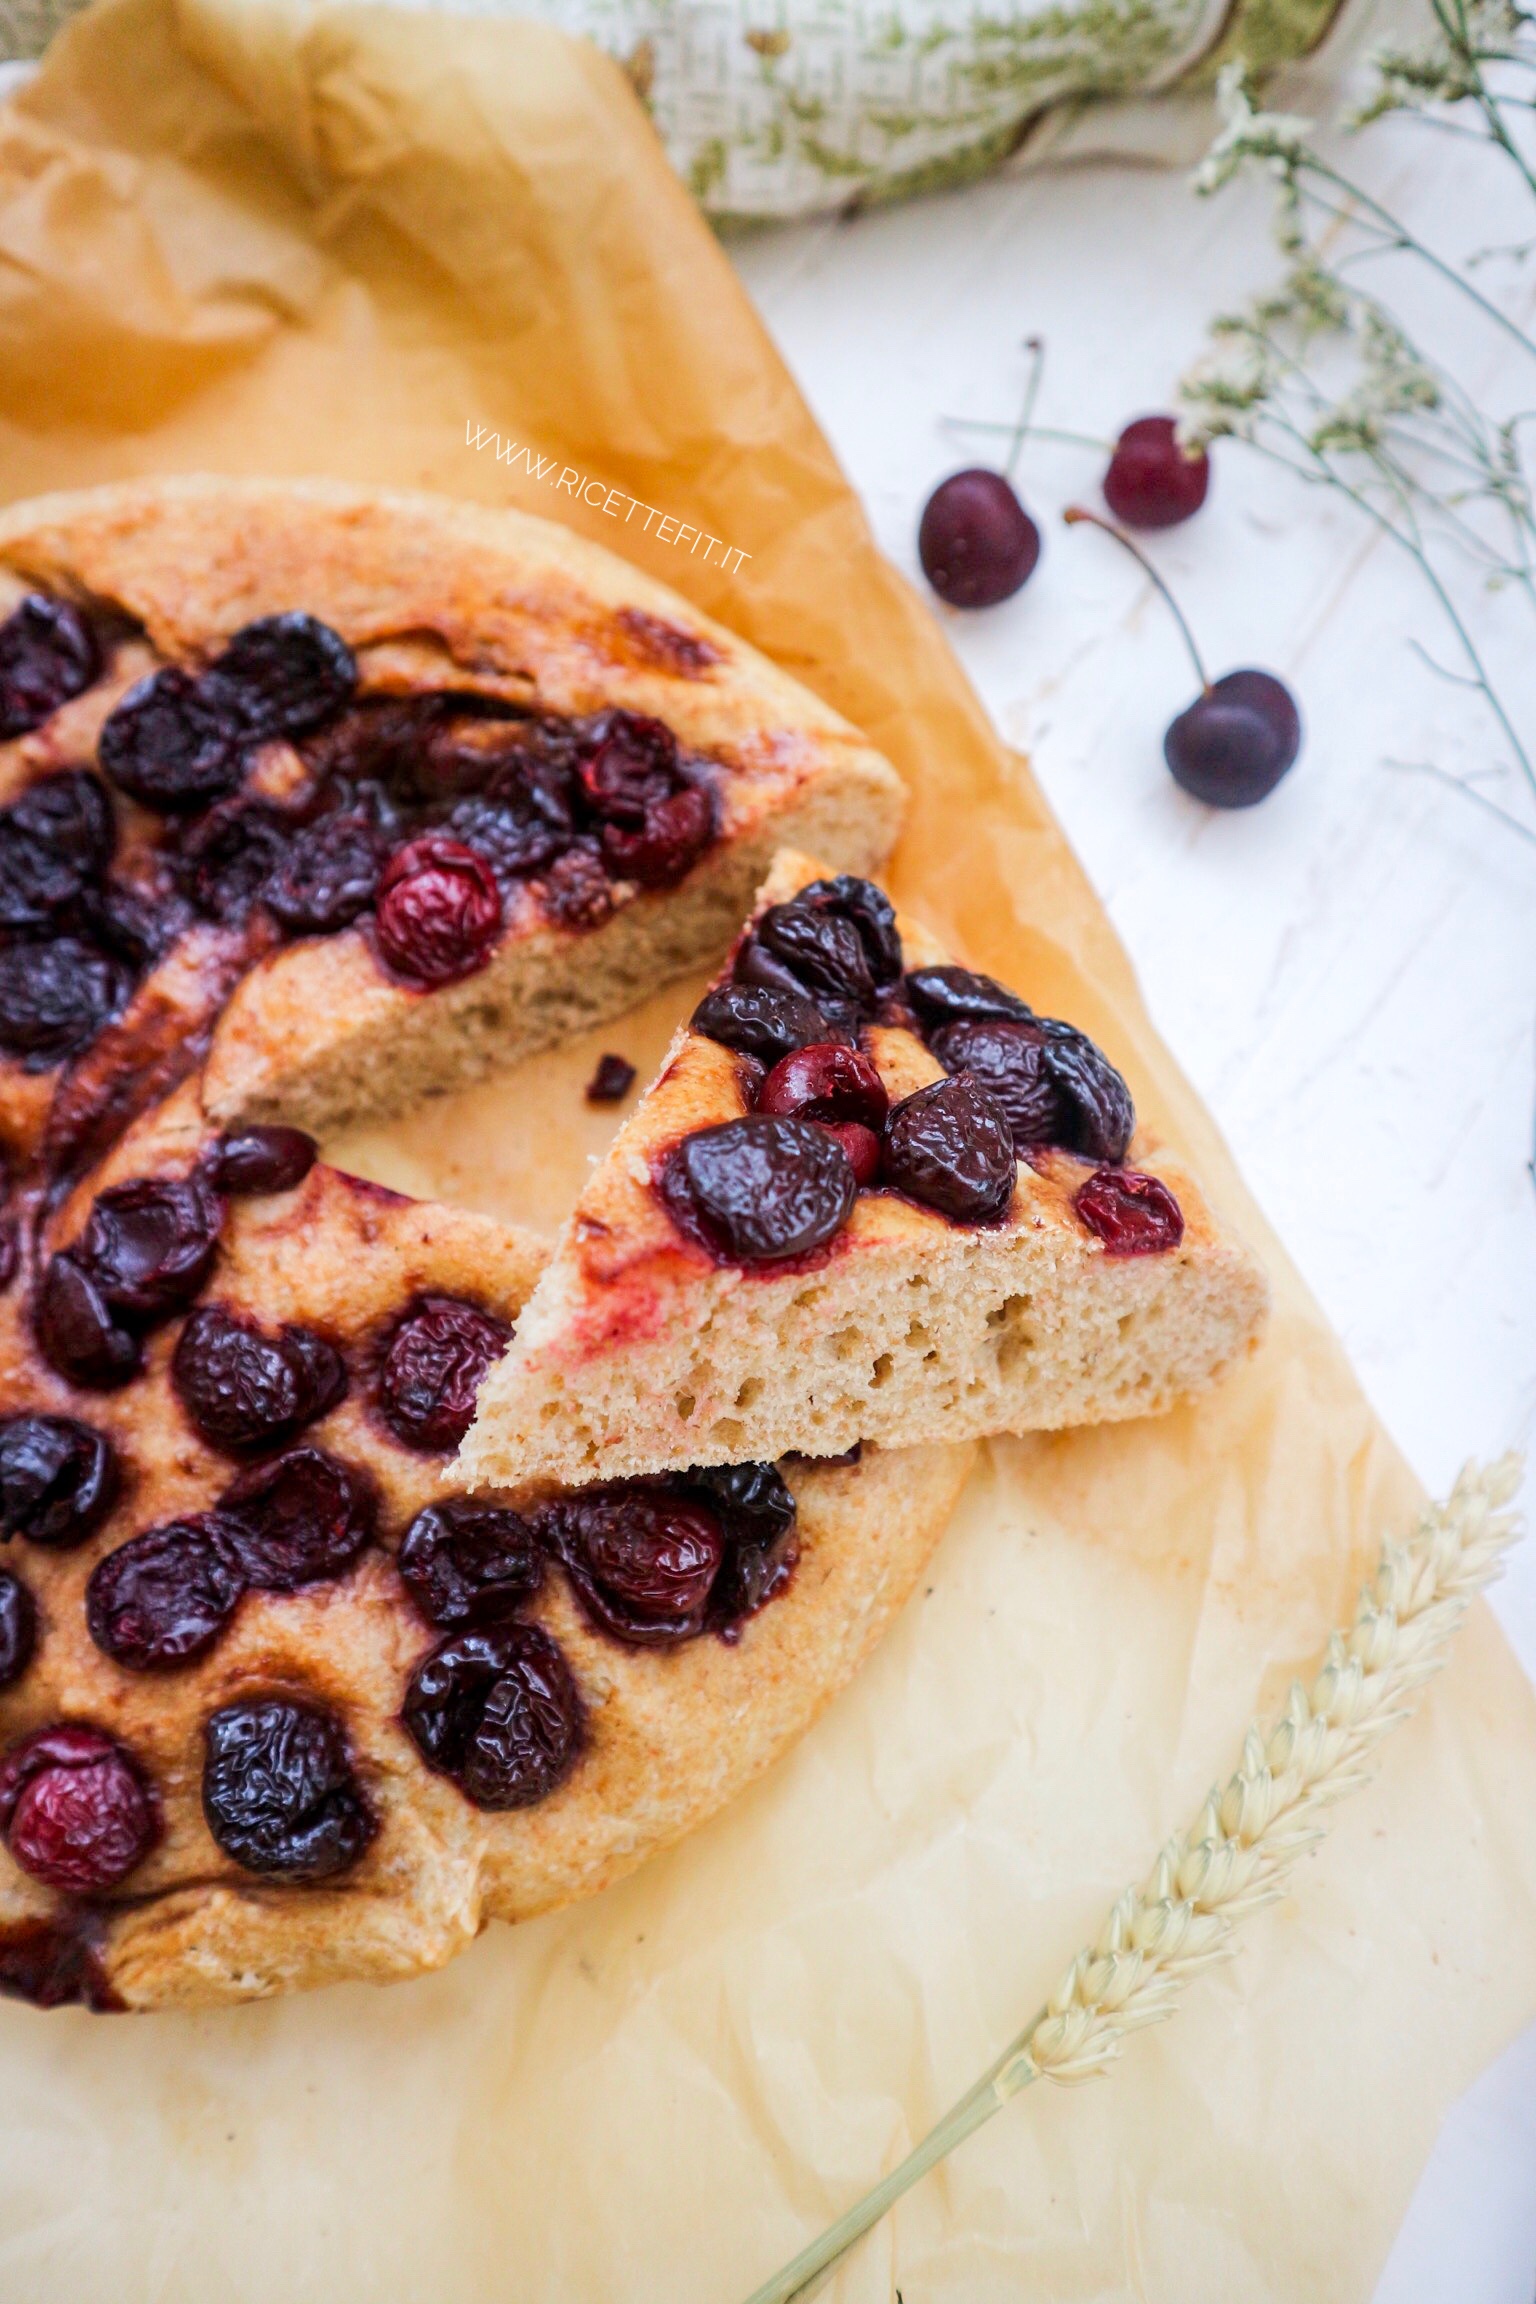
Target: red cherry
[976,542]
[1132,1213]
[1153,480]
[825,1081]
[862,1146]
[439,911]
[75,1810]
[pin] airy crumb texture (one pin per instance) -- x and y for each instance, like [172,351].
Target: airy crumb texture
[637,1352]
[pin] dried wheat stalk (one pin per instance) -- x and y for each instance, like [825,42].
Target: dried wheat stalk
[1235,1856]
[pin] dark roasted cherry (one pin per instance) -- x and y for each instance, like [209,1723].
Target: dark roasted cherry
[436,1360]
[378,741]
[754,1500]
[497,1710]
[667,845]
[654,823]
[862,1146]
[55,1964]
[756,1021]
[632,764]
[1153,480]
[18,1627]
[1054,1084]
[642,1560]
[301,1519]
[256,1160]
[1231,747]
[173,747]
[578,893]
[48,654]
[283,675]
[135,924]
[467,751]
[70,813]
[279,1791]
[958,995]
[757,1511]
[976,542]
[756,1190]
[822,949]
[328,874]
[826,1082]
[872,914]
[57,837]
[75,1811]
[225,859]
[1097,1117]
[469,1563]
[1008,1057]
[54,997]
[520,828]
[10,1250]
[243,1389]
[439,911]
[148,1246]
[58,1479]
[164,1597]
[1133,1214]
[611,1082]
[950,1147]
[77,1331]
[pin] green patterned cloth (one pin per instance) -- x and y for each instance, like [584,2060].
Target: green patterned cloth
[776,108]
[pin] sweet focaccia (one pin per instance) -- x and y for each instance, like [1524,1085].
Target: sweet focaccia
[350,796]
[281,1703]
[871,1196]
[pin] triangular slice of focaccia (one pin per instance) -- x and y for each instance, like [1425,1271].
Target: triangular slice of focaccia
[870,1197]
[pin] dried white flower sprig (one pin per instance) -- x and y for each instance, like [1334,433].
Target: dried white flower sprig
[1318,373]
[1235,1857]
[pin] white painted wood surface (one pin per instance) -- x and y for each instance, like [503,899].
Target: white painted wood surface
[1346,972]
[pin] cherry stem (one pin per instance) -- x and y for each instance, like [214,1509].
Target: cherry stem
[1075,513]
[1036,432]
[1035,347]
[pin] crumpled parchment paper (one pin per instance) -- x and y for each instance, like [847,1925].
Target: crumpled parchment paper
[238,237]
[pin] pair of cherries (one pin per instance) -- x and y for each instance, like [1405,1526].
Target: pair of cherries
[978,546]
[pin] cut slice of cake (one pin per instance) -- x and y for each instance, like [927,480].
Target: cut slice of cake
[870,1197]
[357,796]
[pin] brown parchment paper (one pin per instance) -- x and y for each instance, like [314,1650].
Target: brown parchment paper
[241,238]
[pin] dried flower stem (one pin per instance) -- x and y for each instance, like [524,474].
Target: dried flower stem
[1235,1857]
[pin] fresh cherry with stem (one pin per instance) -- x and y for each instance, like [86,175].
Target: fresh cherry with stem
[976,542]
[1230,747]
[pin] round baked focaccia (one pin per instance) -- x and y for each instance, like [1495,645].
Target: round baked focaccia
[349,797]
[283,1705]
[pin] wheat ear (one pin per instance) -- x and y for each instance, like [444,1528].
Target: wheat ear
[1235,1856]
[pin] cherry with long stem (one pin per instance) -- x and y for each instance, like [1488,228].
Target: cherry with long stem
[1232,745]
[976,542]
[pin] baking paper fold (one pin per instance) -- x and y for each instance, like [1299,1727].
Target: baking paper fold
[243,238]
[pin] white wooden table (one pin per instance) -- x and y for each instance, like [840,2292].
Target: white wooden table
[1346,972]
